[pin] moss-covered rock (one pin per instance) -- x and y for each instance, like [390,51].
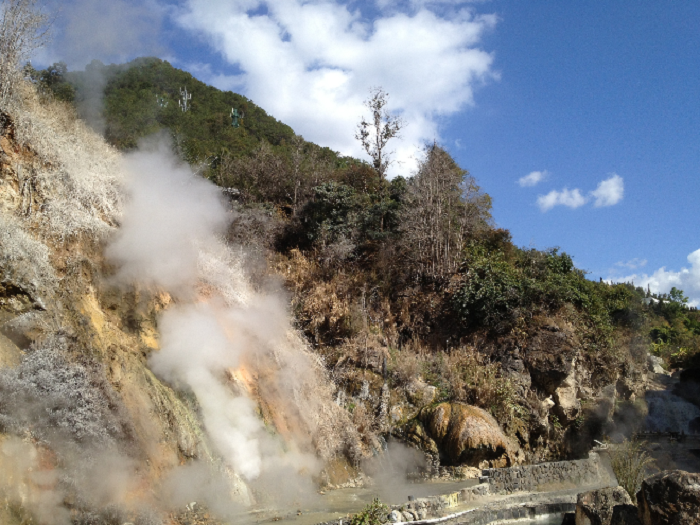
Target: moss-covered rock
[465,434]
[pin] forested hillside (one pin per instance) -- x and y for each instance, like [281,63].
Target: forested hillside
[417,302]
[131,101]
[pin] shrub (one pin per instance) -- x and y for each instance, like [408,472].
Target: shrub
[375,513]
[492,292]
[23,29]
[630,463]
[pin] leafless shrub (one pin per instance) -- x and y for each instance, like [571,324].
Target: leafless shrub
[337,252]
[381,128]
[23,29]
[254,227]
[24,260]
[444,206]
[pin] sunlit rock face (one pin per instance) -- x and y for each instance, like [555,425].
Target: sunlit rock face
[669,412]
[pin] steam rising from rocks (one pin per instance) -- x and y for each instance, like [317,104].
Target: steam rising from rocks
[170,216]
[232,347]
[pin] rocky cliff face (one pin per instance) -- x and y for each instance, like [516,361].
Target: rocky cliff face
[136,354]
[88,430]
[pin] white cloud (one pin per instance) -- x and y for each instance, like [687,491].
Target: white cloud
[311,64]
[609,192]
[632,264]
[533,178]
[565,197]
[662,280]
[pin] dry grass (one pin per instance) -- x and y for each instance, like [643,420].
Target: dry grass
[74,173]
[631,464]
[24,260]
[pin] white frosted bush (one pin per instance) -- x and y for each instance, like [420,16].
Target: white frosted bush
[52,398]
[24,260]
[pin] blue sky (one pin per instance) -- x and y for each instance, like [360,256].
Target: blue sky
[579,93]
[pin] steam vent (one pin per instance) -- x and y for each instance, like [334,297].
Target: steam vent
[207,319]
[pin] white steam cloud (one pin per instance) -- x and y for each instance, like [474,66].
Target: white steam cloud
[171,216]
[196,351]
[111,31]
[232,347]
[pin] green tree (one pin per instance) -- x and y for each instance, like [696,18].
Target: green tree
[374,134]
[677,296]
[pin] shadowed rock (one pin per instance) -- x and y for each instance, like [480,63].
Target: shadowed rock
[625,515]
[670,498]
[596,506]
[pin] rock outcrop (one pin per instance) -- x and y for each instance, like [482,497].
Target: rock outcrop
[670,498]
[467,435]
[597,507]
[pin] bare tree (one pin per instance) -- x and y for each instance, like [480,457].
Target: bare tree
[23,29]
[443,207]
[381,128]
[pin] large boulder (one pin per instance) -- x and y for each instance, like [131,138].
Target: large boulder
[596,506]
[670,498]
[466,434]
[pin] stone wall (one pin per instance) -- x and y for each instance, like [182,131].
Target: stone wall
[544,478]
[422,508]
[547,476]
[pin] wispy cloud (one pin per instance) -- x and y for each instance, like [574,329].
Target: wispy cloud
[632,264]
[662,280]
[311,64]
[609,192]
[533,178]
[569,198]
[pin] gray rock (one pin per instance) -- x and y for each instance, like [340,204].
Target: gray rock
[655,365]
[670,498]
[395,516]
[596,506]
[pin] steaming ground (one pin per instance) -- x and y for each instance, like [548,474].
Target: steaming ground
[231,347]
[88,433]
